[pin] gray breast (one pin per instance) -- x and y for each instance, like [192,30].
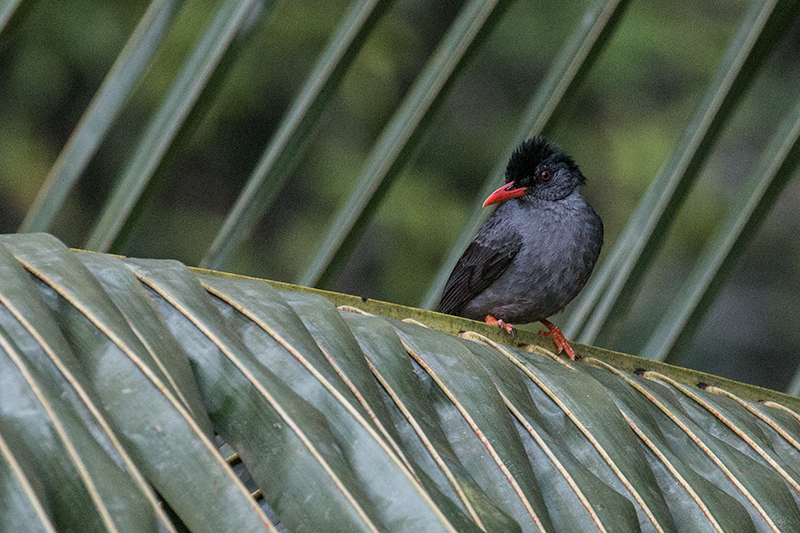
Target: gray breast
[561,244]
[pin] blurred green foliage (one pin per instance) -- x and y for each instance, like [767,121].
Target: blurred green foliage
[620,127]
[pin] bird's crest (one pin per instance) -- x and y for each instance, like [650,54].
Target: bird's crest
[532,153]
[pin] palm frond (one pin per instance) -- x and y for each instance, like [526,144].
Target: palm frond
[755,200]
[183,106]
[294,133]
[101,113]
[118,371]
[619,275]
[398,140]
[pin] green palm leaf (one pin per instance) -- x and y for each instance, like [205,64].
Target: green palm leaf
[768,180]
[107,104]
[355,422]
[614,285]
[182,107]
[293,134]
[399,138]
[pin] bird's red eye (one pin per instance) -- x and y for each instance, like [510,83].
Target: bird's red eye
[544,175]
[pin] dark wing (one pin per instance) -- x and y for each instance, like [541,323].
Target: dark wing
[484,260]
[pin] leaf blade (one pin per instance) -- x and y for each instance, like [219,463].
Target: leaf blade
[100,115]
[399,138]
[295,130]
[169,120]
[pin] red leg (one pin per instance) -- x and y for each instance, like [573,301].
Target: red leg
[492,321]
[558,338]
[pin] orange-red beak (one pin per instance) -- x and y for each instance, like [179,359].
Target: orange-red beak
[506,192]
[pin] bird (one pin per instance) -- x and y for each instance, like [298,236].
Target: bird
[535,253]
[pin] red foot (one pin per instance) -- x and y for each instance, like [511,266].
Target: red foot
[557,336]
[492,321]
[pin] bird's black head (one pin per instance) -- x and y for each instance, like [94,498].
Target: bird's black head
[543,169]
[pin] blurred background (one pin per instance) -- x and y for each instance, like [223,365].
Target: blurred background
[620,127]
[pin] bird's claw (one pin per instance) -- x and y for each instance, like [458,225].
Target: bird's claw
[492,321]
[558,338]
